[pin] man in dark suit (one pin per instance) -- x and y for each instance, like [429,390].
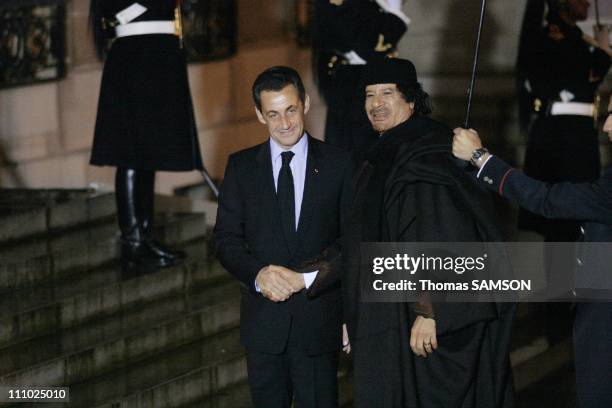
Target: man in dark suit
[280,205]
[590,203]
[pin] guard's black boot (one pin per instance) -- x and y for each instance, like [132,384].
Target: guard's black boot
[145,192]
[135,253]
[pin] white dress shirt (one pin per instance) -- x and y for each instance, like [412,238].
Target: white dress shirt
[298,170]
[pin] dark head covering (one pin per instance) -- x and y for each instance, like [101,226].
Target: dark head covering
[389,71]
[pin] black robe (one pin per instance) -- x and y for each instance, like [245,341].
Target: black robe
[411,189]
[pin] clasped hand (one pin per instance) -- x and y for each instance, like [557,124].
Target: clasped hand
[278,283]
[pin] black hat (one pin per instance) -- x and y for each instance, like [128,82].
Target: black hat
[389,71]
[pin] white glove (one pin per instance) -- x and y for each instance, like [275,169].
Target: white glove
[395,5]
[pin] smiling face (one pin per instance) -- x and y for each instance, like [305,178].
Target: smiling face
[386,106]
[283,113]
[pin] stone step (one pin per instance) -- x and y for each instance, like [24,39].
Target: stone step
[68,341]
[195,368]
[28,213]
[536,369]
[106,357]
[197,191]
[223,385]
[202,387]
[527,327]
[12,199]
[78,280]
[237,396]
[105,298]
[56,257]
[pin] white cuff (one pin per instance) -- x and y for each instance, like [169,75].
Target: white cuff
[394,7]
[353,58]
[483,166]
[130,13]
[309,277]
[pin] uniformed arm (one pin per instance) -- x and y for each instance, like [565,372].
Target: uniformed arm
[576,201]
[364,27]
[537,60]
[229,242]
[600,63]
[552,65]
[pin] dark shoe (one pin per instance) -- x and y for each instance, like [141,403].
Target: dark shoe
[135,252]
[165,252]
[145,213]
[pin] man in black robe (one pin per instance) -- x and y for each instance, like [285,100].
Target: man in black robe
[411,189]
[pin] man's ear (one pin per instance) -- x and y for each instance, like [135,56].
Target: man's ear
[260,116]
[306,104]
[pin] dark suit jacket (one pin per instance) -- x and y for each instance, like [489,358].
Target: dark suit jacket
[249,236]
[590,203]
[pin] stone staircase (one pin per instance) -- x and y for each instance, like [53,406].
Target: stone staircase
[69,316]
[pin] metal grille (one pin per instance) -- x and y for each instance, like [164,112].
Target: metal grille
[31,41]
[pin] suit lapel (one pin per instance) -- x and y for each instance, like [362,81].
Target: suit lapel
[268,195]
[311,190]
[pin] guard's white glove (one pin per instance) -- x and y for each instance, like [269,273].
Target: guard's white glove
[395,5]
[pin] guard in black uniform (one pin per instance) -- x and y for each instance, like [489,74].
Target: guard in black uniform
[563,69]
[145,119]
[348,34]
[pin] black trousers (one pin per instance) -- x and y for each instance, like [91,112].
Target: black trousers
[593,354]
[276,379]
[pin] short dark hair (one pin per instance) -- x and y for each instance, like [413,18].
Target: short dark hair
[415,93]
[275,79]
